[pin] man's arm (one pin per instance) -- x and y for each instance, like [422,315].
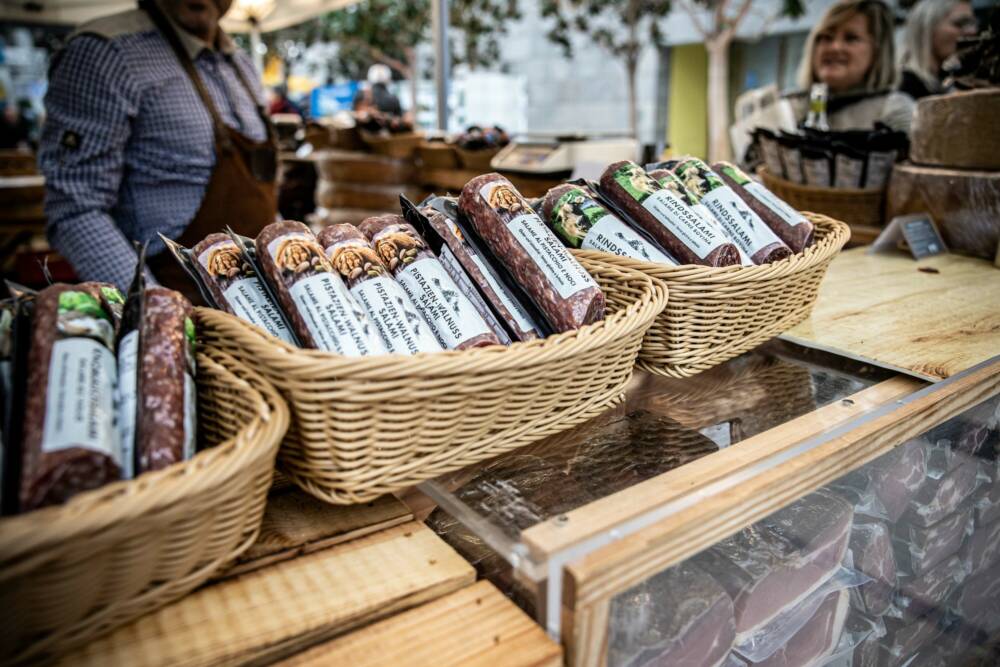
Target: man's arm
[90,103]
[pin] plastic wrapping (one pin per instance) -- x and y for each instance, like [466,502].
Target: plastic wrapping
[765,641]
[919,548]
[920,596]
[870,551]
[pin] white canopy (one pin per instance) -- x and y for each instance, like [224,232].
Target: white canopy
[270,14]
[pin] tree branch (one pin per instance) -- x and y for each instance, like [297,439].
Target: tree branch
[690,10]
[732,25]
[381,56]
[769,21]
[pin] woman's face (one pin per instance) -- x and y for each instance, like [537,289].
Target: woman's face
[958,23]
[844,54]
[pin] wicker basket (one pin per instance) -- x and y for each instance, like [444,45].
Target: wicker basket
[477,160]
[401,146]
[437,155]
[72,572]
[715,314]
[364,427]
[853,206]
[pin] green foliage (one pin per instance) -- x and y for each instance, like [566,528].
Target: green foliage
[621,27]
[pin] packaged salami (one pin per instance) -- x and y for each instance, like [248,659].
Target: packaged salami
[849,166]
[560,287]
[665,217]
[454,320]
[791,226]
[672,182]
[401,326]
[581,221]
[817,165]
[227,280]
[514,308]
[15,335]
[69,442]
[322,312]
[745,227]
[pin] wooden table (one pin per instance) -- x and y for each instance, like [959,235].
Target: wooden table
[930,319]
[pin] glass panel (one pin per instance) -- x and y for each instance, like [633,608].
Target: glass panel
[896,563]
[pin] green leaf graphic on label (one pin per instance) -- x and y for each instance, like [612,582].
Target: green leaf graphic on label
[82,303]
[575,214]
[735,173]
[698,178]
[189,331]
[113,295]
[635,181]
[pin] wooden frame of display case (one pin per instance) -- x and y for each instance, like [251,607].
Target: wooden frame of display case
[605,547]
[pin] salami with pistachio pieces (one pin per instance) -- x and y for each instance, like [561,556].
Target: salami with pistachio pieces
[453,318]
[560,287]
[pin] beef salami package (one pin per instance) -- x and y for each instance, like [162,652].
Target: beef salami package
[770,150]
[15,337]
[665,217]
[744,226]
[70,442]
[791,226]
[312,294]
[514,309]
[396,318]
[564,292]
[581,221]
[454,319]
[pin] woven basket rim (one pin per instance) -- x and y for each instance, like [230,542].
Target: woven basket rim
[316,364]
[127,500]
[835,236]
[813,189]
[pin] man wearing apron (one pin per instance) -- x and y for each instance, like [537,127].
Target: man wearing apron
[155,123]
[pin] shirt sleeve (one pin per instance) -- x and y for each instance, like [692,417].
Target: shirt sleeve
[90,104]
[898,111]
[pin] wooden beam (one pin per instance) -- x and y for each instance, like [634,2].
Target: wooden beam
[474,627]
[278,611]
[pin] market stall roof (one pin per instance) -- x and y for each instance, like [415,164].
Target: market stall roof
[270,14]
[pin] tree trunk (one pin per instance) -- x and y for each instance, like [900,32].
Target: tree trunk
[718,97]
[412,58]
[633,114]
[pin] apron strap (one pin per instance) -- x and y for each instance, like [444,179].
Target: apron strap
[168,32]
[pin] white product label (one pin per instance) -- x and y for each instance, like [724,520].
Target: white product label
[251,303]
[333,317]
[80,404]
[560,269]
[879,168]
[612,235]
[517,312]
[450,313]
[403,329]
[742,225]
[695,232]
[848,171]
[190,416]
[776,204]
[817,172]
[128,391]
[455,270]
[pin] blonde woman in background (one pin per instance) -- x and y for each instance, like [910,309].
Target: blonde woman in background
[851,50]
[933,30]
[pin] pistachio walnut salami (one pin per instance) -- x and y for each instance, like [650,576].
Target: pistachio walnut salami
[318,305]
[454,320]
[70,442]
[396,318]
[564,292]
[664,216]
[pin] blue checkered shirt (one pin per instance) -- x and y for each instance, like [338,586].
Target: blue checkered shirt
[127,148]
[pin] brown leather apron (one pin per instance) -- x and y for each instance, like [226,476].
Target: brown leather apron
[241,190]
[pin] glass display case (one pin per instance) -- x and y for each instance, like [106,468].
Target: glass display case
[790,507]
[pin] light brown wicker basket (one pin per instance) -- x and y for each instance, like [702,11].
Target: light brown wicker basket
[853,206]
[364,427]
[477,160]
[72,572]
[715,314]
[402,145]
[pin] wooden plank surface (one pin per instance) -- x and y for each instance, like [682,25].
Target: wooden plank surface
[474,627]
[593,580]
[889,310]
[296,523]
[281,610]
[605,513]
